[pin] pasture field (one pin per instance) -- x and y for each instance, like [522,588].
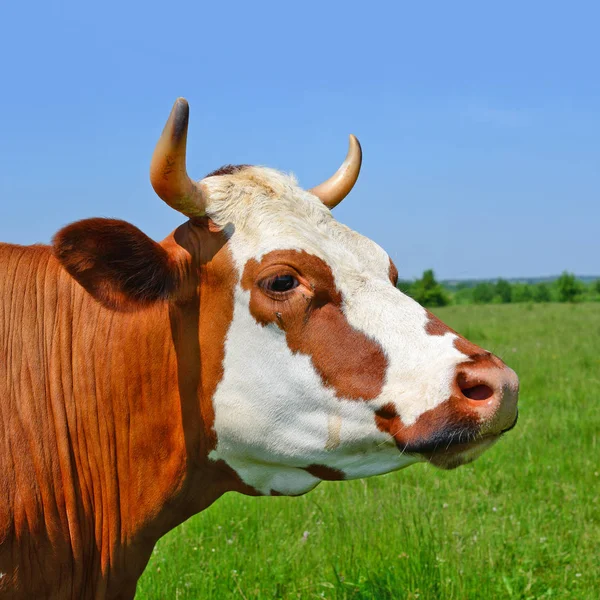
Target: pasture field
[521,522]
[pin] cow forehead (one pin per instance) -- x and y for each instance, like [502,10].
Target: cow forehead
[267,211]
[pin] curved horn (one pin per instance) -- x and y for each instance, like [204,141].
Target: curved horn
[338,186]
[168,174]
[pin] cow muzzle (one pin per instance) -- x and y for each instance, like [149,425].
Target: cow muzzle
[486,392]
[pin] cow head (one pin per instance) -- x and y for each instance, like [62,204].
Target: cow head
[325,369]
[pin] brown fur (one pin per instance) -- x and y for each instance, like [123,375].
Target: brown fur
[106,417]
[393,273]
[227,170]
[116,263]
[433,430]
[325,473]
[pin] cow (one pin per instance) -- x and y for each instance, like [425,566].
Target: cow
[262,347]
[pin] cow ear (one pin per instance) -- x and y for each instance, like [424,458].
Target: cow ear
[116,263]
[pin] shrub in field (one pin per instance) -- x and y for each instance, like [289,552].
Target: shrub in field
[522,292]
[541,293]
[569,289]
[427,291]
[483,293]
[504,291]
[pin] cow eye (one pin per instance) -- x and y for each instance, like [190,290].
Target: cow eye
[281,283]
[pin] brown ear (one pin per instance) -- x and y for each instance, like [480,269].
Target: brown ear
[116,263]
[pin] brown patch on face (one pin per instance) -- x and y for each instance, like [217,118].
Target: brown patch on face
[434,431]
[311,316]
[393,273]
[325,473]
[436,327]
[473,351]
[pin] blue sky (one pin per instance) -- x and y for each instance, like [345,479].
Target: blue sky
[480,124]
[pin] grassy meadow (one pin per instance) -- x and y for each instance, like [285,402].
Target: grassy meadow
[521,522]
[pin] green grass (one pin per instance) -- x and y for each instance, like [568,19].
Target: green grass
[521,522]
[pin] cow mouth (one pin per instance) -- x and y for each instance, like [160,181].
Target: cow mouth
[451,451]
[458,454]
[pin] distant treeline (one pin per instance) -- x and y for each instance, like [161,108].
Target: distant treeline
[566,288]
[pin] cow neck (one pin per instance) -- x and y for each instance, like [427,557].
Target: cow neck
[133,438]
[147,398]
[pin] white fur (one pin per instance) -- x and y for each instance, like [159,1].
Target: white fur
[273,415]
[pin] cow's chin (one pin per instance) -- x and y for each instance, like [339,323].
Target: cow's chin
[457,455]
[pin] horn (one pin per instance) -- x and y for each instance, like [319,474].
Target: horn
[168,174]
[338,186]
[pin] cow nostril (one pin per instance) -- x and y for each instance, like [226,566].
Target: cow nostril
[478,392]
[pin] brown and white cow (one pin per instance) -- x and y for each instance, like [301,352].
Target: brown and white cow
[262,347]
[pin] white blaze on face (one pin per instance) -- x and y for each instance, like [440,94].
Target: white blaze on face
[274,416]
